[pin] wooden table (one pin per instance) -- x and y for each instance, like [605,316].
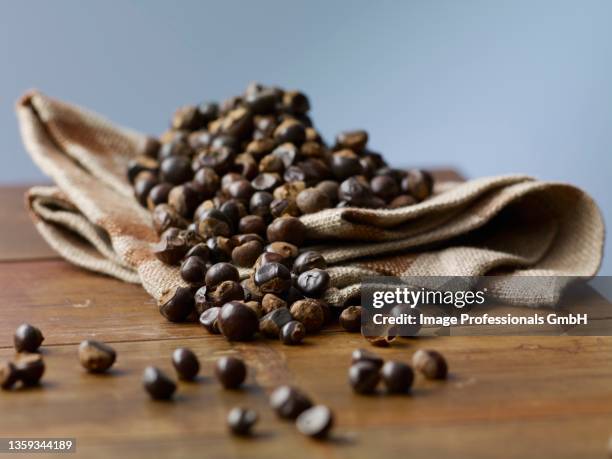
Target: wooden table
[509,397]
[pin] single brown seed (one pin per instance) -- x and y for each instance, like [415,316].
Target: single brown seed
[273,278]
[259,204]
[312,149]
[266,181]
[158,384]
[252,224]
[237,122]
[165,217]
[285,249]
[187,117]
[232,208]
[430,363]
[364,377]
[220,248]
[193,270]
[231,372]
[330,188]
[290,131]
[240,421]
[143,184]
[397,377]
[271,163]
[185,363]
[261,100]
[315,422]
[225,292]
[345,164]
[296,102]
[314,170]
[312,200]
[151,148]
[357,193]
[220,272]
[246,254]
[176,169]
[371,163]
[176,304]
[237,322]
[292,332]
[27,338]
[289,190]
[95,356]
[270,302]
[295,174]
[8,375]
[209,320]
[313,283]
[272,323]
[267,257]
[202,209]
[247,166]
[213,223]
[158,195]
[30,368]
[184,199]
[418,183]
[208,181]
[287,229]
[383,340]
[171,248]
[240,189]
[402,200]
[209,111]
[310,312]
[385,187]
[284,208]
[289,402]
[202,303]
[308,260]
[258,148]
[350,318]
[355,140]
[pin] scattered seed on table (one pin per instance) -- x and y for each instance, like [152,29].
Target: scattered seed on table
[231,372]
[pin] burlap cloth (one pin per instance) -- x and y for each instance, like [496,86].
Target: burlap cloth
[508,224]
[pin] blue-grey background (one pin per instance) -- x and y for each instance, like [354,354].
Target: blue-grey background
[487,86]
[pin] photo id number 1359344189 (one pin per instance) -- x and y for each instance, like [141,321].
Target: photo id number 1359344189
[37,445]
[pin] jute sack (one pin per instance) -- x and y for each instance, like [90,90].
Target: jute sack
[510,224]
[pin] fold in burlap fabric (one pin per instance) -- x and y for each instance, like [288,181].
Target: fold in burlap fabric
[508,224]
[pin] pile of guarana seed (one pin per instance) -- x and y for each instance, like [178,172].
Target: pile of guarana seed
[226,186]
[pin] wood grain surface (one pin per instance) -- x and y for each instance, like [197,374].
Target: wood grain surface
[507,397]
[20,241]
